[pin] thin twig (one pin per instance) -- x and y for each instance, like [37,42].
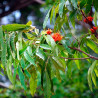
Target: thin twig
[75,58]
[83,14]
[93,57]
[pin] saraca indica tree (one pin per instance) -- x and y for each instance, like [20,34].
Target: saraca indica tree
[25,52]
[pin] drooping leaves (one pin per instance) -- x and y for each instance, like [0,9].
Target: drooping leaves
[14,27]
[91,74]
[47,90]
[33,82]
[9,70]
[61,5]
[46,19]
[3,48]
[22,78]
[29,58]
[92,45]
[75,3]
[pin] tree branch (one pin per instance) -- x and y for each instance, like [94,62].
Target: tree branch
[75,58]
[96,58]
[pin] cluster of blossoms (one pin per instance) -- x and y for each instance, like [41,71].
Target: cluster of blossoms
[93,30]
[88,20]
[55,36]
[49,31]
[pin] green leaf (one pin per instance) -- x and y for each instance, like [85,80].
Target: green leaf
[40,53]
[42,72]
[91,74]
[20,39]
[45,46]
[65,44]
[61,5]
[46,19]
[1,74]
[27,73]
[22,50]
[8,45]
[60,64]
[9,70]
[29,23]
[75,3]
[82,3]
[59,23]
[3,48]
[95,2]
[92,45]
[95,18]
[29,49]
[79,17]
[55,12]
[83,48]
[3,55]
[88,6]
[29,58]
[29,36]
[22,63]
[33,82]
[72,17]
[50,41]
[69,68]
[89,80]
[53,45]
[56,69]
[1,36]
[49,71]
[22,78]
[17,47]
[14,75]
[94,78]
[66,22]
[96,71]
[47,90]
[13,27]
[36,31]
[51,15]
[77,61]
[12,41]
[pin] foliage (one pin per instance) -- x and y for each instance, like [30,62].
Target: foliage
[29,52]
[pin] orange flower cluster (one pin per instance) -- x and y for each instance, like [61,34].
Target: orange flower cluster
[57,37]
[88,20]
[49,31]
[93,30]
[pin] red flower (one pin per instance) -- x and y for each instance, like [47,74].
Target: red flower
[93,30]
[85,20]
[49,31]
[57,37]
[89,19]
